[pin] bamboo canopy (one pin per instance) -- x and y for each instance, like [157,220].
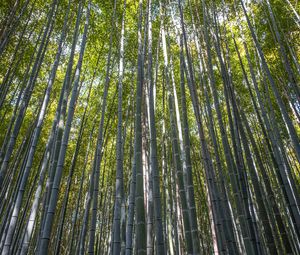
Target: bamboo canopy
[150,127]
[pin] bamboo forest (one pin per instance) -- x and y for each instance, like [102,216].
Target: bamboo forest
[150,127]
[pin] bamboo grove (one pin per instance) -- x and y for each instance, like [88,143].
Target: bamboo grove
[149,127]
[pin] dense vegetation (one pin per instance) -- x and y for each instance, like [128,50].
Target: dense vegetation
[149,127]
